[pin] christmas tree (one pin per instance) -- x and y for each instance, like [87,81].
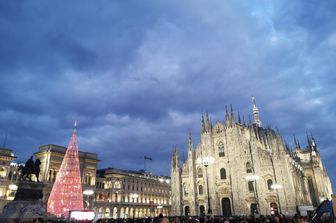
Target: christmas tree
[67,194]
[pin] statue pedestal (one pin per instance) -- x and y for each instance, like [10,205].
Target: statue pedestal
[27,203]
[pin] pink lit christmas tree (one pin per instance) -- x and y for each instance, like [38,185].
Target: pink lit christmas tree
[66,194]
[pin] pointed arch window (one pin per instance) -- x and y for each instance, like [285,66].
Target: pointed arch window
[199,173]
[269,184]
[251,186]
[200,189]
[221,152]
[222,173]
[248,167]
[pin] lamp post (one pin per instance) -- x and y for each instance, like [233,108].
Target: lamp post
[253,178]
[205,161]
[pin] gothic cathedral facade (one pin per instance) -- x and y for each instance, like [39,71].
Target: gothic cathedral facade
[243,169]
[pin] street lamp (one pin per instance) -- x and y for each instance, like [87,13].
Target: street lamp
[253,178]
[205,161]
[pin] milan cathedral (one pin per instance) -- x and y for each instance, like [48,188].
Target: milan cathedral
[243,169]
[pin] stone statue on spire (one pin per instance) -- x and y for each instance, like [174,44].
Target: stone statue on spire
[256,113]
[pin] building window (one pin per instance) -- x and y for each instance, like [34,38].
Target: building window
[248,167]
[199,173]
[88,179]
[221,152]
[269,184]
[200,189]
[250,186]
[117,184]
[222,174]
[3,172]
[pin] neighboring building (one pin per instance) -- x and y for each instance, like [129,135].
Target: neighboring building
[8,174]
[131,194]
[240,169]
[51,157]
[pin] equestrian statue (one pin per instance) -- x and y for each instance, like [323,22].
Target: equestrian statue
[30,168]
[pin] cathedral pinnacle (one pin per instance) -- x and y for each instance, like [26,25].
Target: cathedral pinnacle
[308,141]
[227,120]
[207,123]
[295,142]
[313,143]
[190,141]
[256,113]
[233,121]
[175,159]
[203,124]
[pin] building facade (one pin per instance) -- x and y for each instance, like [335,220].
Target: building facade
[131,194]
[8,176]
[243,169]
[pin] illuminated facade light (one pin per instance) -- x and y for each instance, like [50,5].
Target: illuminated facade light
[205,160]
[252,177]
[88,192]
[276,186]
[134,195]
[13,187]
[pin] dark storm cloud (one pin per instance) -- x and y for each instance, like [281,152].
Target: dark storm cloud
[138,74]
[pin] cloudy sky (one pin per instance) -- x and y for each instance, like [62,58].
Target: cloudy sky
[137,75]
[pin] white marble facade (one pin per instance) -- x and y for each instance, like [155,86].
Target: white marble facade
[253,171]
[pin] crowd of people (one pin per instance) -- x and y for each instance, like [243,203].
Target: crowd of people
[205,219]
[213,219]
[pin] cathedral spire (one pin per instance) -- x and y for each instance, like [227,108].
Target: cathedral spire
[295,142]
[175,159]
[256,113]
[207,125]
[211,124]
[232,116]
[239,120]
[227,120]
[313,142]
[203,124]
[190,142]
[308,141]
